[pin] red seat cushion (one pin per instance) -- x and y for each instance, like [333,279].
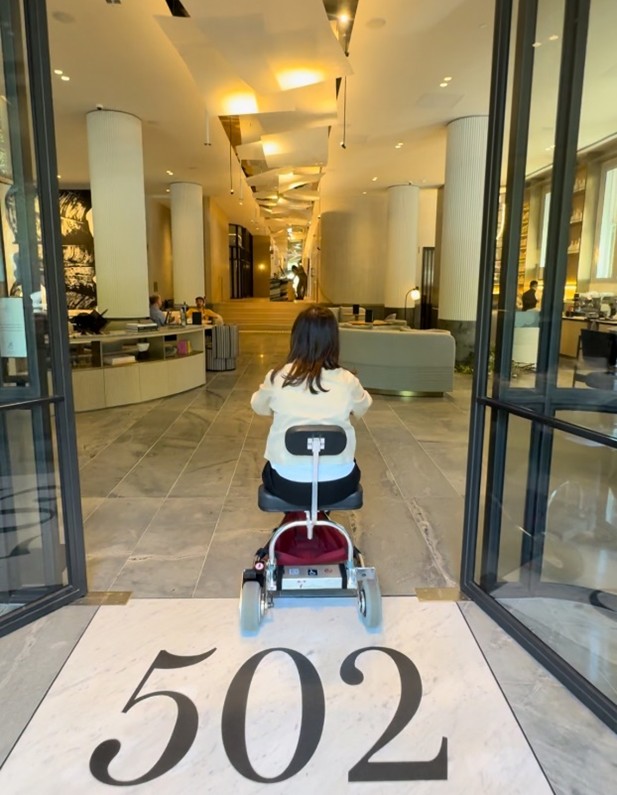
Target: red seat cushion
[326,546]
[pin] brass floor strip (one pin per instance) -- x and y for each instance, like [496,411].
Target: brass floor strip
[440,595]
[105,598]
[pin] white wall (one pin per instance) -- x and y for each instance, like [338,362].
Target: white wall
[158,231]
[216,232]
[427,225]
[353,249]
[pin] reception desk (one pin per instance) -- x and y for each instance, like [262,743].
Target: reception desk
[109,369]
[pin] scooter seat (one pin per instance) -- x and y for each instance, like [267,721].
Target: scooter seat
[271,504]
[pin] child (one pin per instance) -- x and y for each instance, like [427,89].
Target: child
[311,388]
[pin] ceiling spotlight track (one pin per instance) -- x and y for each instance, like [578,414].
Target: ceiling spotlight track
[231,173]
[208,141]
[344,139]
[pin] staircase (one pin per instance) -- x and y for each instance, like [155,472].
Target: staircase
[260,314]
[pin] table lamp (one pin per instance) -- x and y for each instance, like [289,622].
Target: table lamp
[414,294]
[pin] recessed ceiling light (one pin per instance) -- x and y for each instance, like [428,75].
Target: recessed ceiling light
[166,190]
[443,85]
[550,148]
[171,173]
[398,145]
[447,79]
[58,71]
[537,44]
[59,176]
[344,18]
[554,37]
[66,78]
[375,179]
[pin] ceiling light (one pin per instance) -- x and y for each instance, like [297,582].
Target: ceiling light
[375,179]
[554,37]
[66,78]
[344,18]
[58,72]
[240,103]
[398,145]
[166,190]
[447,79]
[364,193]
[550,148]
[443,85]
[270,148]
[59,176]
[537,44]
[298,78]
[171,173]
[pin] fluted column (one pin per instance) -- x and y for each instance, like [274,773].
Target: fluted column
[187,241]
[461,230]
[402,244]
[115,155]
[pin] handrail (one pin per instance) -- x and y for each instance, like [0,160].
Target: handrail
[26,404]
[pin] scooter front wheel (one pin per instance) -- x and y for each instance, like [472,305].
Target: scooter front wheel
[251,606]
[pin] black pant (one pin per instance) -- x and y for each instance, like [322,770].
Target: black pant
[299,494]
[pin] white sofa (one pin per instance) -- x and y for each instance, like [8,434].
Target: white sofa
[399,360]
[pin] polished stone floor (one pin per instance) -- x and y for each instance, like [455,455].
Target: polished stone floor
[169,488]
[169,501]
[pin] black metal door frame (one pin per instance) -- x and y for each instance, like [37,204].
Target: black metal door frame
[30,57]
[539,404]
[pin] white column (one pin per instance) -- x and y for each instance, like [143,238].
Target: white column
[187,241]
[115,155]
[402,244]
[462,218]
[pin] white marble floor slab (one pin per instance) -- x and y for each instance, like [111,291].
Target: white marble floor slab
[294,709]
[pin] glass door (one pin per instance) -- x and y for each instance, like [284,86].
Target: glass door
[541,512]
[42,561]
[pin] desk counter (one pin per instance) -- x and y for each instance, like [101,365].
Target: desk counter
[112,370]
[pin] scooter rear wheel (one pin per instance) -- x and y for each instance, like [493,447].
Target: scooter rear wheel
[251,606]
[369,603]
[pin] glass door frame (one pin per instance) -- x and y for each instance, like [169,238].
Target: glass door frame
[28,59]
[493,406]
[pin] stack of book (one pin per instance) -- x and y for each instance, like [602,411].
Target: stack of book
[112,359]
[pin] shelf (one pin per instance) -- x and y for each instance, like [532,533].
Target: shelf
[148,377]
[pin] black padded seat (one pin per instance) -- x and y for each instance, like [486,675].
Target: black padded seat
[271,504]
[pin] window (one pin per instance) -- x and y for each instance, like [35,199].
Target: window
[546,205]
[606,265]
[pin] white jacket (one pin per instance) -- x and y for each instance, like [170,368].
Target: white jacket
[295,405]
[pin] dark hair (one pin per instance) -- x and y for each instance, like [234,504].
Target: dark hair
[314,347]
[154,297]
[532,282]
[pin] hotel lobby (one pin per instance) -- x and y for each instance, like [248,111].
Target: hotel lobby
[426,166]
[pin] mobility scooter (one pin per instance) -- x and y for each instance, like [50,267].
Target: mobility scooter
[310,555]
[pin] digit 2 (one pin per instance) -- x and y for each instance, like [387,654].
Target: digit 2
[411,694]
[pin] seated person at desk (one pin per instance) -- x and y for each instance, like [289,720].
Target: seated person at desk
[530,300]
[156,313]
[207,314]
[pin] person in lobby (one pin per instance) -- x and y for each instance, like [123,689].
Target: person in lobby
[207,314]
[311,388]
[530,300]
[156,313]
[299,271]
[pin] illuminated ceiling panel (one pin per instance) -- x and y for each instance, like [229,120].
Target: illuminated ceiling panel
[299,148]
[280,47]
